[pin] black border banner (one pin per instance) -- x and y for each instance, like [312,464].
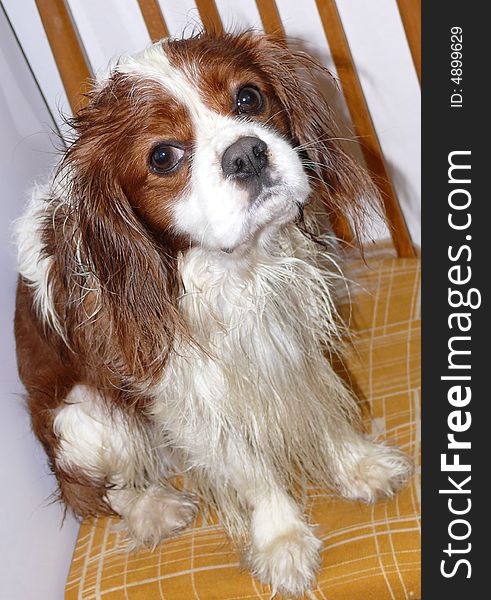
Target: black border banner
[456,347]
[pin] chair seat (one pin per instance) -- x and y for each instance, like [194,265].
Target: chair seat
[370,552]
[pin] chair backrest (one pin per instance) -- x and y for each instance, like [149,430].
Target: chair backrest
[74,70]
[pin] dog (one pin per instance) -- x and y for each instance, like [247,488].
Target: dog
[175,308]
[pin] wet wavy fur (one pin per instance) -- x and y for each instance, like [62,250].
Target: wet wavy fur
[135,338]
[286,410]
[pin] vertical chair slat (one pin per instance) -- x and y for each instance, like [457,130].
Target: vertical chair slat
[270,17]
[410,11]
[210,17]
[363,124]
[272,24]
[67,50]
[154,19]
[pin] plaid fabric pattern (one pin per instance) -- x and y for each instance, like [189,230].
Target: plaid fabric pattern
[370,552]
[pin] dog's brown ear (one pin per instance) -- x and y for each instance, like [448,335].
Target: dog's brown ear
[344,186]
[121,285]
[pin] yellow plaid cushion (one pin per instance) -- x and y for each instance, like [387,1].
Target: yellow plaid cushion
[370,552]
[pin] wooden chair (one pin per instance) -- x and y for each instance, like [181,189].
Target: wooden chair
[371,552]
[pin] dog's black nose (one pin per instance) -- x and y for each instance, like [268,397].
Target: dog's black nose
[245,159]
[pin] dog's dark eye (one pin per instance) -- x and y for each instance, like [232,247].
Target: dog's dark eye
[165,158]
[249,100]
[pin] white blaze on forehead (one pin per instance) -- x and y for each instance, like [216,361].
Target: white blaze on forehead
[154,64]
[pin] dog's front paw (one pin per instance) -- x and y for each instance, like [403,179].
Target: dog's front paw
[288,562]
[158,513]
[379,471]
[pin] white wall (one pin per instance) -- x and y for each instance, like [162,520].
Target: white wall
[34,552]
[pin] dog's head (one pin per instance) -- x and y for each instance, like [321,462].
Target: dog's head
[213,141]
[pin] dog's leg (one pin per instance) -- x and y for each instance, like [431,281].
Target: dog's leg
[283,550]
[365,470]
[102,450]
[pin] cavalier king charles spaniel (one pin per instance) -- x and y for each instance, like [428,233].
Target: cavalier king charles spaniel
[175,303]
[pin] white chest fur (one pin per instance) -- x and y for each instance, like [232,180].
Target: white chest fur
[258,374]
